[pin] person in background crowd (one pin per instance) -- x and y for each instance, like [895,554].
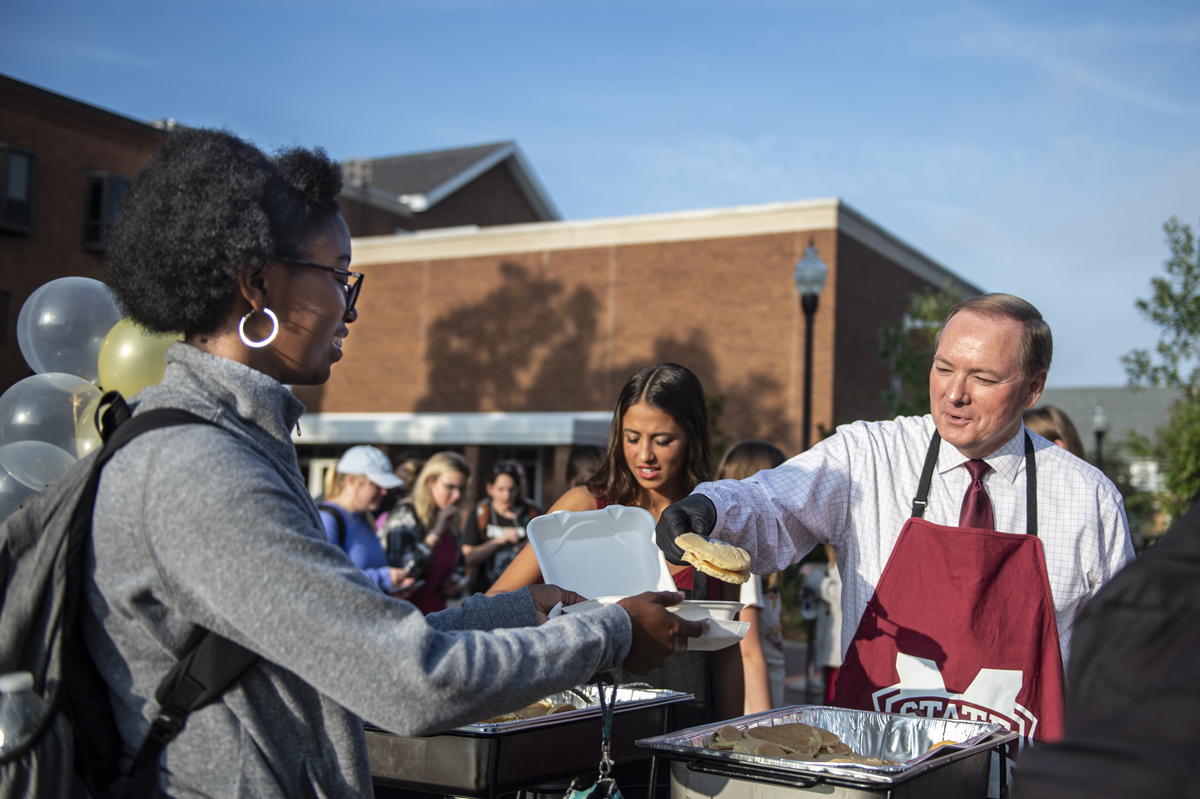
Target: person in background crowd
[426,523]
[762,649]
[407,469]
[495,533]
[582,463]
[658,450]
[930,518]
[825,583]
[248,256]
[1052,424]
[353,490]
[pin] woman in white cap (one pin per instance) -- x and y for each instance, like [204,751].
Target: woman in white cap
[352,490]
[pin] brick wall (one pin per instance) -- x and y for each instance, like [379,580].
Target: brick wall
[68,139]
[871,291]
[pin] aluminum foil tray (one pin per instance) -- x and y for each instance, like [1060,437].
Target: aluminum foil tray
[487,760]
[886,736]
[586,699]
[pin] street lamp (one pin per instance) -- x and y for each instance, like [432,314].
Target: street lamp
[809,275]
[1099,428]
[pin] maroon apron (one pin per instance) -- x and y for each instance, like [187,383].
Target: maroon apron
[961,626]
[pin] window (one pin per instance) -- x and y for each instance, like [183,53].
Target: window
[104,193]
[16,180]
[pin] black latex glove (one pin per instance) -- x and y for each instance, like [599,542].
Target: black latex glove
[694,513]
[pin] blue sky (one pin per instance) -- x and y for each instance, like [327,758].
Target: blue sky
[1034,148]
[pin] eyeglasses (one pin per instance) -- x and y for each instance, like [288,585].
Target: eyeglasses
[351,288]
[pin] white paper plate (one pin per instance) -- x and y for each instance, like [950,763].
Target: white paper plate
[723,628]
[695,609]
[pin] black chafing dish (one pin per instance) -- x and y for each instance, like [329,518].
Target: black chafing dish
[486,760]
[960,770]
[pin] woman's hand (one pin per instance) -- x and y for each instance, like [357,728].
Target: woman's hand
[545,597]
[442,522]
[453,586]
[403,586]
[657,632]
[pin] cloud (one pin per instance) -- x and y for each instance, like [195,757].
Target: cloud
[1086,55]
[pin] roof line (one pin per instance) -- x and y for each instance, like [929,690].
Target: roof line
[739,221]
[376,198]
[867,232]
[440,192]
[523,174]
[80,104]
[535,192]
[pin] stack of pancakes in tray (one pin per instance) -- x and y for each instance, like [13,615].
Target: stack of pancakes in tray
[791,741]
[536,710]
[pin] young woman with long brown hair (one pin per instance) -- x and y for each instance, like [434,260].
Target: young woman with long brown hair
[658,451]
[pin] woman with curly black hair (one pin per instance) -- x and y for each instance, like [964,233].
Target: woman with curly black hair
[210,526]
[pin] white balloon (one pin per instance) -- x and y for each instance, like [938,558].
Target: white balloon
[12,493]
[36,464]
[53,408]
[62,324]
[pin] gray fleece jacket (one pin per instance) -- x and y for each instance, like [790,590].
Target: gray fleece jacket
[213,527]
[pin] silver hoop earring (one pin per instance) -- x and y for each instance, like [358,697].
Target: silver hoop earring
[265,341]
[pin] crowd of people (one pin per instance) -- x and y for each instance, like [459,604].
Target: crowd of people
[961,546]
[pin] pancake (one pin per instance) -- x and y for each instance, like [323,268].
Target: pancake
[794,738]
[715,558]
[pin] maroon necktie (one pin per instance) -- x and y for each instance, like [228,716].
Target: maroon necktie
[977,505]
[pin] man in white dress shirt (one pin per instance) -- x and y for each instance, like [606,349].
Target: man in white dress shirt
[856,489]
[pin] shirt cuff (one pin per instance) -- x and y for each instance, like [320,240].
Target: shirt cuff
[718,502]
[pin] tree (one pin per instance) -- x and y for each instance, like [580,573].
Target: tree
[1174,305]
[908,348]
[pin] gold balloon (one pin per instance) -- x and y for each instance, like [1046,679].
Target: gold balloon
[131,358]
[87,437]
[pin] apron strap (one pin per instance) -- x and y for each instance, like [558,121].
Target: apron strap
[921,500]
[1030,489]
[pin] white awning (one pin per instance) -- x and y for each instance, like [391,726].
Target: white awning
[502,429]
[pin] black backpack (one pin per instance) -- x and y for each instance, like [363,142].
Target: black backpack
[41,580]
[1134,689]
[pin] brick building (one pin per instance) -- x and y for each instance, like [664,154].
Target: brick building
[513,341]
[63,167]
[488,184]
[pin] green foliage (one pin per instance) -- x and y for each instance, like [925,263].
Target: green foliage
[1181,453]
[908,349]
[1174,306]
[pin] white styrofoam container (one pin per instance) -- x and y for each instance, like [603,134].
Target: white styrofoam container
[606,552]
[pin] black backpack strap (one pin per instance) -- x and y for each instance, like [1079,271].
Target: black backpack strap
[207,669]
[333,511]
[200,677]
